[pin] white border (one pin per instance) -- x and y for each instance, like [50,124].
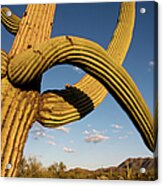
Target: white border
[56,182]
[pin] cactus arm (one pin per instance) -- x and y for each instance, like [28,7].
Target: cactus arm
[10,21]
[75,109]
[64,106]
[93,59]
[122,36]
[4,63]
[126,22]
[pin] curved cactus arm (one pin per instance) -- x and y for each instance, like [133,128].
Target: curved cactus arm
[10,20]
[4,63]
[122,36]
[73,103]
[124,29]
[93,59]
[119,44]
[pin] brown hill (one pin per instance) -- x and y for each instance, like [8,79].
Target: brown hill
[129,169]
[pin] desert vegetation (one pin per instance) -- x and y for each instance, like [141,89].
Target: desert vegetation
[127,170]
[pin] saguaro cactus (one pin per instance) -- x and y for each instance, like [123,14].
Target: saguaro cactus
[33,52]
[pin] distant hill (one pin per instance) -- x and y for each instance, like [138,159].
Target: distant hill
[129,169]
[137,163]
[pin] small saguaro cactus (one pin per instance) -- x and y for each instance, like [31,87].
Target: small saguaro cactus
[33,52]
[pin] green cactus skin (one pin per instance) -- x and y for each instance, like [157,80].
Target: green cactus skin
[21,95]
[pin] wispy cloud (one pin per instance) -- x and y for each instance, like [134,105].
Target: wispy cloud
[93,131]
[78,70]
[96,131]
[50,137]
[63,129]
[151,63]
[96,138]
[116,126]
[40,134]
[51,143]
[38,131]
[68,150]
[86,132]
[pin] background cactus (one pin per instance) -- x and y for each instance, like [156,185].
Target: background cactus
[21,97]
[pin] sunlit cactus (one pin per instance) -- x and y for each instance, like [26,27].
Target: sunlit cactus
[33,52]
[4,63]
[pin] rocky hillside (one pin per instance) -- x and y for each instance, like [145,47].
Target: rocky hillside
[129,169]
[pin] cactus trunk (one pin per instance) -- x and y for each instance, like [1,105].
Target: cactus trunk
[19,103]
[18,114]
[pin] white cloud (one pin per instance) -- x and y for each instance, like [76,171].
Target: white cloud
[77,69]
[116,126]
[96,138]
[151,63]
[96,131]
[123,137]
[37,134]
[51,143]
[38,131]
[64,129]
[68,150]
[93,131]
[40,134]
[50,137]
[86,132]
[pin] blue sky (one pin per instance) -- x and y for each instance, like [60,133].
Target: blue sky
[115,136]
